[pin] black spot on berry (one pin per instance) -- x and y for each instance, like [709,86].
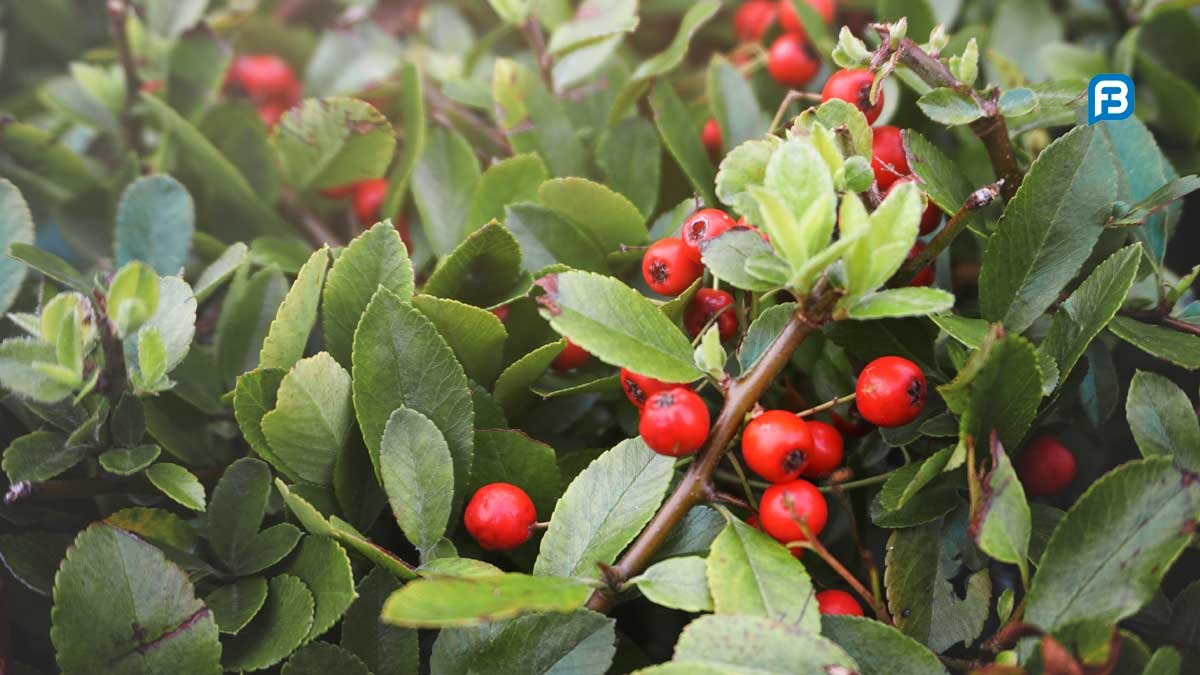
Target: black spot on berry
[659,271]
[795,461]
[916,393]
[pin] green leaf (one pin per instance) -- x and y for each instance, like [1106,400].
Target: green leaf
[234,605]
[418,477]
[196,68]
[401,361]
[132,297]
[1125,215]
[155,221]
[880,648]
[279,628]
[475,335]
[128,461]
[1163,420]
[678,583]
[750,573]
[254,397]
[324,567]
[942,179]
[1147,509]
[171,19]
[606,215]
[175,322]
[246,315]
[443,180]
[747,644]
[220,270]
[728,256]
[734,104]
[581,641]
[617,325]
[412,115]
[151,371]
[509,456]
[236,510]
[949,106]
[508,181]
[900,302]
[680,135]
[1179,348]
[1004,391]
[908,480]
[639,181]
[178,483]
[16,227]
[967,331]
[548,238]
[665,61]
[484,270]
[312,418]
[321,658]
[288,334]
[1003,521]
[762,333]
[50,265]
[882,239]
[140,631]
[800,180]
[1089,308]
[326,142]
[1048,229]
[18,375]
[603,509]
[534,119]
[513,390]
[745,165]
[593,21]
[457,601]
[387,650]
[1142,169]
[375,258]
[39,456]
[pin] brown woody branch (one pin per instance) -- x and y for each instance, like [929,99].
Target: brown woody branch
[977,200]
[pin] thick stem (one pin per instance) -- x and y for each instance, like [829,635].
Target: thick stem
[742,395]
[957,223]
[118,11]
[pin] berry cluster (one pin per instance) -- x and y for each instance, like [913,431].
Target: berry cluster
[268,81]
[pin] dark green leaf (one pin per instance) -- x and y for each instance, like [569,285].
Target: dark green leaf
[734,104]
[639,181]
[246,315]
[1179,348]
[475,335]
[546,238]
[443,180]
[509,456]
[253,398]
[682,138]
[322,658]
[513,390]
[323,566]
[280,627]
[16,227]
[40,456]
[1163,420]
[534,119]
[511,180]
[485,270]
[880,648]
[387,650]
[33,557]
[234,605]
[155,220]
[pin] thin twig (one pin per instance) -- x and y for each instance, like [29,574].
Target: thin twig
[813,544]
[314,230]
[443,108]
[118,11]
[826,405]
[864,554]
[791,97]
[957,223]
[532,30]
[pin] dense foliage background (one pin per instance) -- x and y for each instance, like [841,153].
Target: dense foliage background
[243,405]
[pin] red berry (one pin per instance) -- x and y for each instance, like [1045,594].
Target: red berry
[854,86]
[791,61]
[153,86]
[783,507]
[710,136]
[670,266]
[925,276]
[827,450]
[791,21]
[890,391]
[777,445]
[834,601]
[270,112]
[570,358]
[851,425]
[501,312]
[704,225]
[932,217]
[1046,467]
[638,388]
[674,422]
[265,77]
[753,18]
[706,304]
[887,156]
[500,516]
[368,197]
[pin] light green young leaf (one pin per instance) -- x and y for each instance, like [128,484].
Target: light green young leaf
[288,334]
[898,302]
[1003,522]
[750,573]
[710,356]
[729,255]
[178,483]
[801,179]
[677,583]
[151,373]
[418,476]
[174,320]
[884,237]
[456,601]
[949,106]
[132,297]
[311,421]
[744,166]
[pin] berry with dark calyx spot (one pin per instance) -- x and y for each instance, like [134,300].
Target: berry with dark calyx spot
[670,266]
[570,358]
[753,19]
[674,422]
[1046,467]
[854,86]
[704,225]
[887,156]
[638,388]
[931,217]
[827,451]
[500,516]
[706,304]
[790,20]
[784,506]
[891,391]
[925,276]
[834,601]
[710,136]
[368,197]
[791,61]
[777,445]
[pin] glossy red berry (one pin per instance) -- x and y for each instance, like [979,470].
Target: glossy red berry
[887,156]
[783,507]
[890,392]
[791,61]
[704,225]
[670,266]
[777,445]
[500,516]
[931,217]
[791,21]
[271,111]
[834,601]
[925,276]
[827,451]
[368,197]
[570,358]
[706,304]
[753,19]
[710,136]
[1046,467]
[674,422]
[638,388]
[265,77]
[854,86]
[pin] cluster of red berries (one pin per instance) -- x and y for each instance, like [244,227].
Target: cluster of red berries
[791,60]
[268,81]
[674,420]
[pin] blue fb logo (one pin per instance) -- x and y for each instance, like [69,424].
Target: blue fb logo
[1110,97]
